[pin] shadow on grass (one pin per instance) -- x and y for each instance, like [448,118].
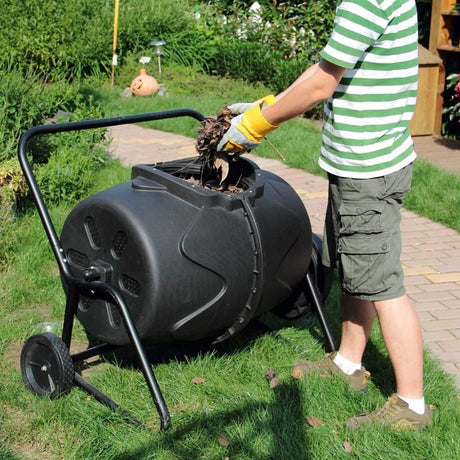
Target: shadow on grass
[281,420]
[283,423]
[7,454]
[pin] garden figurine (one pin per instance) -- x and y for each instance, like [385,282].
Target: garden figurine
[144,84]
[367,75]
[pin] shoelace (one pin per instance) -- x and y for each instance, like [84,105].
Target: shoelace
[388,410]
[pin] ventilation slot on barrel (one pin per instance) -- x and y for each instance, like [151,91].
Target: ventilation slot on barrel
[119,244]
[92,232]
[114,316]
[85,303]
[130,285]
[77,258]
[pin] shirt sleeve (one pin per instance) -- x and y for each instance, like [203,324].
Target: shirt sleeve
[357,26]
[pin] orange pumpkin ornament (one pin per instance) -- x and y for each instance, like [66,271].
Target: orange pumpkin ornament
[144,84]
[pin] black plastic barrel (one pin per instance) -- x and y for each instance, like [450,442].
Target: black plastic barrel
[191,262]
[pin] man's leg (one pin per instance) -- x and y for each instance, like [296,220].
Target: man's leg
[402,334]
[403,339]
[357,318]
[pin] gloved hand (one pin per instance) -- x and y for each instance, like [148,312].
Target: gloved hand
[247,129]
[241,107]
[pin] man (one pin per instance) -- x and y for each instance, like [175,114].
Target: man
[368,75]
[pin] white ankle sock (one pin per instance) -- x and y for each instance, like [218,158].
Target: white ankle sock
[345,365]
[416,405]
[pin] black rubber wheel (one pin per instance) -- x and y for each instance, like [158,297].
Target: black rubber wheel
[46,366]
[300,303]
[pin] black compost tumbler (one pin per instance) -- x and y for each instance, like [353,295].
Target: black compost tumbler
[159,259]
[190,262]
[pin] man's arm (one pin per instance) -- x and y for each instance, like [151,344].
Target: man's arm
[315,85]
[249,128]
[307,74]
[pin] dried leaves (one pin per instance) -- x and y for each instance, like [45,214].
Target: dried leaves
[313,421]
[222,441]
[212,131]
[271,377]
[209,136]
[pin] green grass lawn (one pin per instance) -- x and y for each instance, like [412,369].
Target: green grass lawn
[232,412]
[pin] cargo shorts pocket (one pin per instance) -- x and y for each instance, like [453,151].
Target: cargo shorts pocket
[363,218]
[363,260]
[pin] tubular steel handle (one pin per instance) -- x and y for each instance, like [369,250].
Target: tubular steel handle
[79,126]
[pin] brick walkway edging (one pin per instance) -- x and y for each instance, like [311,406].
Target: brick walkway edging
[430,255]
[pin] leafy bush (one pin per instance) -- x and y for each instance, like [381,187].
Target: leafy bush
[13,186]
[142,21]
[65,38]
[70,39]
[254,62]
[74,38]
[273,44]
[69,159]
[25,102]
[298,30]
[451,111]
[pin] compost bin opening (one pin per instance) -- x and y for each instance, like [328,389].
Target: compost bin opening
[197,171]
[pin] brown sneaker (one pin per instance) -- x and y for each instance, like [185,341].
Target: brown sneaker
[326,368]
[395,413]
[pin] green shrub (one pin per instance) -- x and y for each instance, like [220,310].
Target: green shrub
[58,160]
[24,102]
[451,110]
[70,158]
[256,63]
[13,186]
[273,45]
[298,30]
[59,38]
[70,39]
[142,21]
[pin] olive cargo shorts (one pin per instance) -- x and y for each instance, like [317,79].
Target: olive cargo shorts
[362,236]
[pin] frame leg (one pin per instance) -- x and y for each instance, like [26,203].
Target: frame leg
[103,399]
[145,365]
[318,305]
[69,314]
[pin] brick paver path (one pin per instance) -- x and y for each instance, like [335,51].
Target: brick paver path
[430,256]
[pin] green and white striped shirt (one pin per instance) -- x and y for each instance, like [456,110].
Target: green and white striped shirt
[366,121]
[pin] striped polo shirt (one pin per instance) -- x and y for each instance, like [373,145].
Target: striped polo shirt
[366,121]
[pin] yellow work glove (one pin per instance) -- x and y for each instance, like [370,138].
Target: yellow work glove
[247,129]
[241,107]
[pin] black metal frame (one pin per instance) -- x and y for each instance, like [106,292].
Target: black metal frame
[90,287]
[318,304]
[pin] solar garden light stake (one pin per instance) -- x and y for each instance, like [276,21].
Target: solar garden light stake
[158,44]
